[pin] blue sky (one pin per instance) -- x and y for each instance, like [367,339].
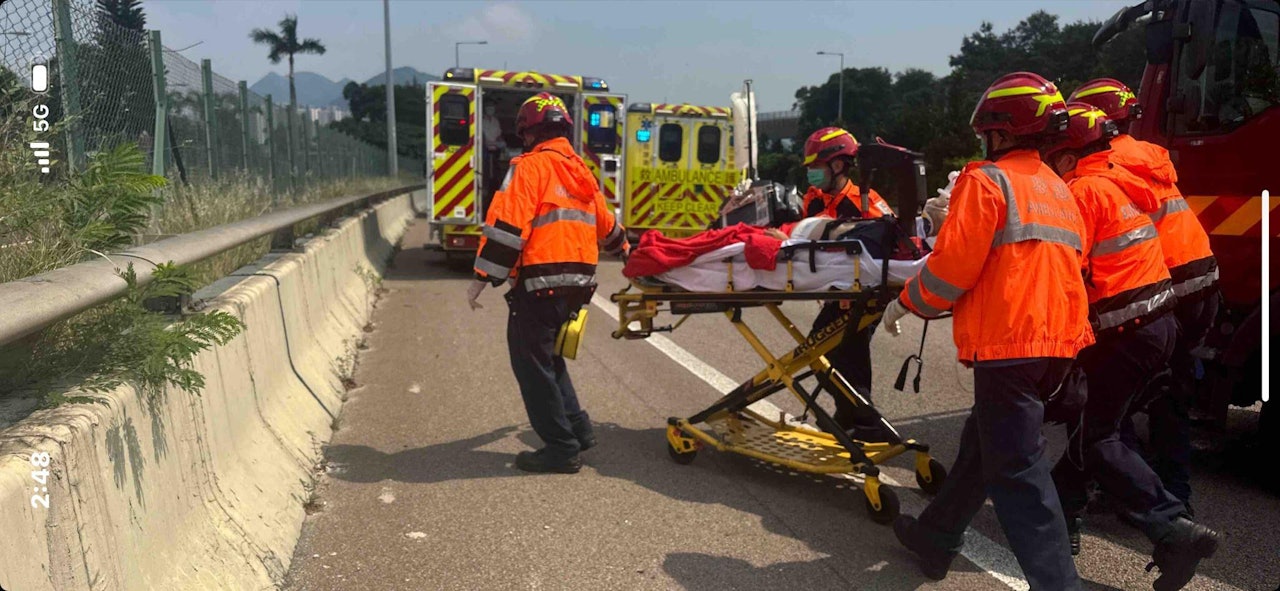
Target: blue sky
[690,51]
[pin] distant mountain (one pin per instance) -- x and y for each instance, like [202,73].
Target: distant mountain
[318,91]
[402,75]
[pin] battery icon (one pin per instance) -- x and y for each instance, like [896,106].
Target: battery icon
[40,78]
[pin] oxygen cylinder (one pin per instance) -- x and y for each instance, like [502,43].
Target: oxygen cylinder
[744,130]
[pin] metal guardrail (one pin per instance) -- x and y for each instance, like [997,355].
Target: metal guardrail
[29,304]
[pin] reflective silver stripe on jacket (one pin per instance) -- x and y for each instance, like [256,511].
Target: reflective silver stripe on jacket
[562,280]
[1171,206]
[917,299]
[1118,243]
[564,214]
[614,237]
[491,268]
[1196,284]
[1016,231]
[1137,309]
[504,238]
[939,287]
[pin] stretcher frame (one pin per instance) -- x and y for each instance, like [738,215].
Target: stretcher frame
[733,427]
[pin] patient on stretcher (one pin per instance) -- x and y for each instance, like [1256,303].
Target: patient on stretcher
[750,255]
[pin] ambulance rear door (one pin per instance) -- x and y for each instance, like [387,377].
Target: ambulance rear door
[451,136]
[711,177]
[603,142]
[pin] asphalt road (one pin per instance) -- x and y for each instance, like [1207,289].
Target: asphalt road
[419,490]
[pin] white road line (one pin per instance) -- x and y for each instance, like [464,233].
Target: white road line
[986,554]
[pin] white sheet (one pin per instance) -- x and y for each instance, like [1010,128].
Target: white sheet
[710,273]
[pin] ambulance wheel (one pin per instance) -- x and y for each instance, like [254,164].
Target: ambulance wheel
[682,458]
[939,475]
[889,506]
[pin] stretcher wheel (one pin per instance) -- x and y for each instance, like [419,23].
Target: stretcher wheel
[939,475]
[889,506]
[682,458]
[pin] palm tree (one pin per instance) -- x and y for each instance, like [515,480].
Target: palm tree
[284,43]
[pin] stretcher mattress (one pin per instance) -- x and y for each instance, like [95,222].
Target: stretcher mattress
[834,270]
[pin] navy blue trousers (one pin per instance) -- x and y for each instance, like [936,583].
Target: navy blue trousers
[852,359]
[1002,456]
[1117,369]
[549,397]
[1169,412]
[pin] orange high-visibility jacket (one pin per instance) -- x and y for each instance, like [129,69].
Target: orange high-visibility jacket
[1185,243]
[1126,278]
[847,203]
[1009,262]
[547,224]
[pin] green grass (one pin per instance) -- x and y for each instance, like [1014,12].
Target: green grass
[55,220]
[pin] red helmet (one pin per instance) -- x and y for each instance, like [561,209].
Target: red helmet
[1112,96]
[827,143]
[543,107]
[1086,125]
[1021,103]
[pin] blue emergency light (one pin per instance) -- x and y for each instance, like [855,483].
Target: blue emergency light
[642,135]
[595,119]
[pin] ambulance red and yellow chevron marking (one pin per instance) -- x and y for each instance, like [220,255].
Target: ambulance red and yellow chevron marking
[1233,215]
[691,110]
[674,208]
[592,159]
[527,79]
[454,175]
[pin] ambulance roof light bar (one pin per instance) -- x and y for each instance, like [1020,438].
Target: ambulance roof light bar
[467,74]
[594,84]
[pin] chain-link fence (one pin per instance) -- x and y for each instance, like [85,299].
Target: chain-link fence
[104,86]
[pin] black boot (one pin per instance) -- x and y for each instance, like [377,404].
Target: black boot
[934,561]
[537,461]
[586,436]
[1179,552]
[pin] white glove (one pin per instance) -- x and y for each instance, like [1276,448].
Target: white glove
[892,313]
[473,292]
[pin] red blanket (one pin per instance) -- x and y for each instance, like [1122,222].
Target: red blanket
[658,254]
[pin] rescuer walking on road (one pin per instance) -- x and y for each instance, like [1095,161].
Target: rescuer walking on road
[1194,272]
[1008,261]
[829,155]
[1130,303]
[544,232]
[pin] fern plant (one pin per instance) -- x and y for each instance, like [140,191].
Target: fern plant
[122,342]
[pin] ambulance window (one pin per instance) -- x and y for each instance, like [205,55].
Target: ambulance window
[602,132]
[670,142]
[455,116]
[708,144]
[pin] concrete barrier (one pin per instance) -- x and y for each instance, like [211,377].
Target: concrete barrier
[201,491]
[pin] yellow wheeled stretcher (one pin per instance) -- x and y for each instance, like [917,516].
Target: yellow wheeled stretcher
[729,425]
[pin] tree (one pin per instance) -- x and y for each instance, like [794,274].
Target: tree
[286,43]
[920,111]
[368,121]
[126,13]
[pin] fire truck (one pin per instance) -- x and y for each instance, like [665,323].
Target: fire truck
[1211,94]
[472,138]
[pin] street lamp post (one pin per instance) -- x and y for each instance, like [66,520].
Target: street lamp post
[840,99]
[393,161]
[455,49]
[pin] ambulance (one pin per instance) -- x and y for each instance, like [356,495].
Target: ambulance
[679,167]
[682,163]
[472,139]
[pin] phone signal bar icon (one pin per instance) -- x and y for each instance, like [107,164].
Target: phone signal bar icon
[41,151]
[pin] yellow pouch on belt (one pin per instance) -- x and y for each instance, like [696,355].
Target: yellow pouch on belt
[570,335]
